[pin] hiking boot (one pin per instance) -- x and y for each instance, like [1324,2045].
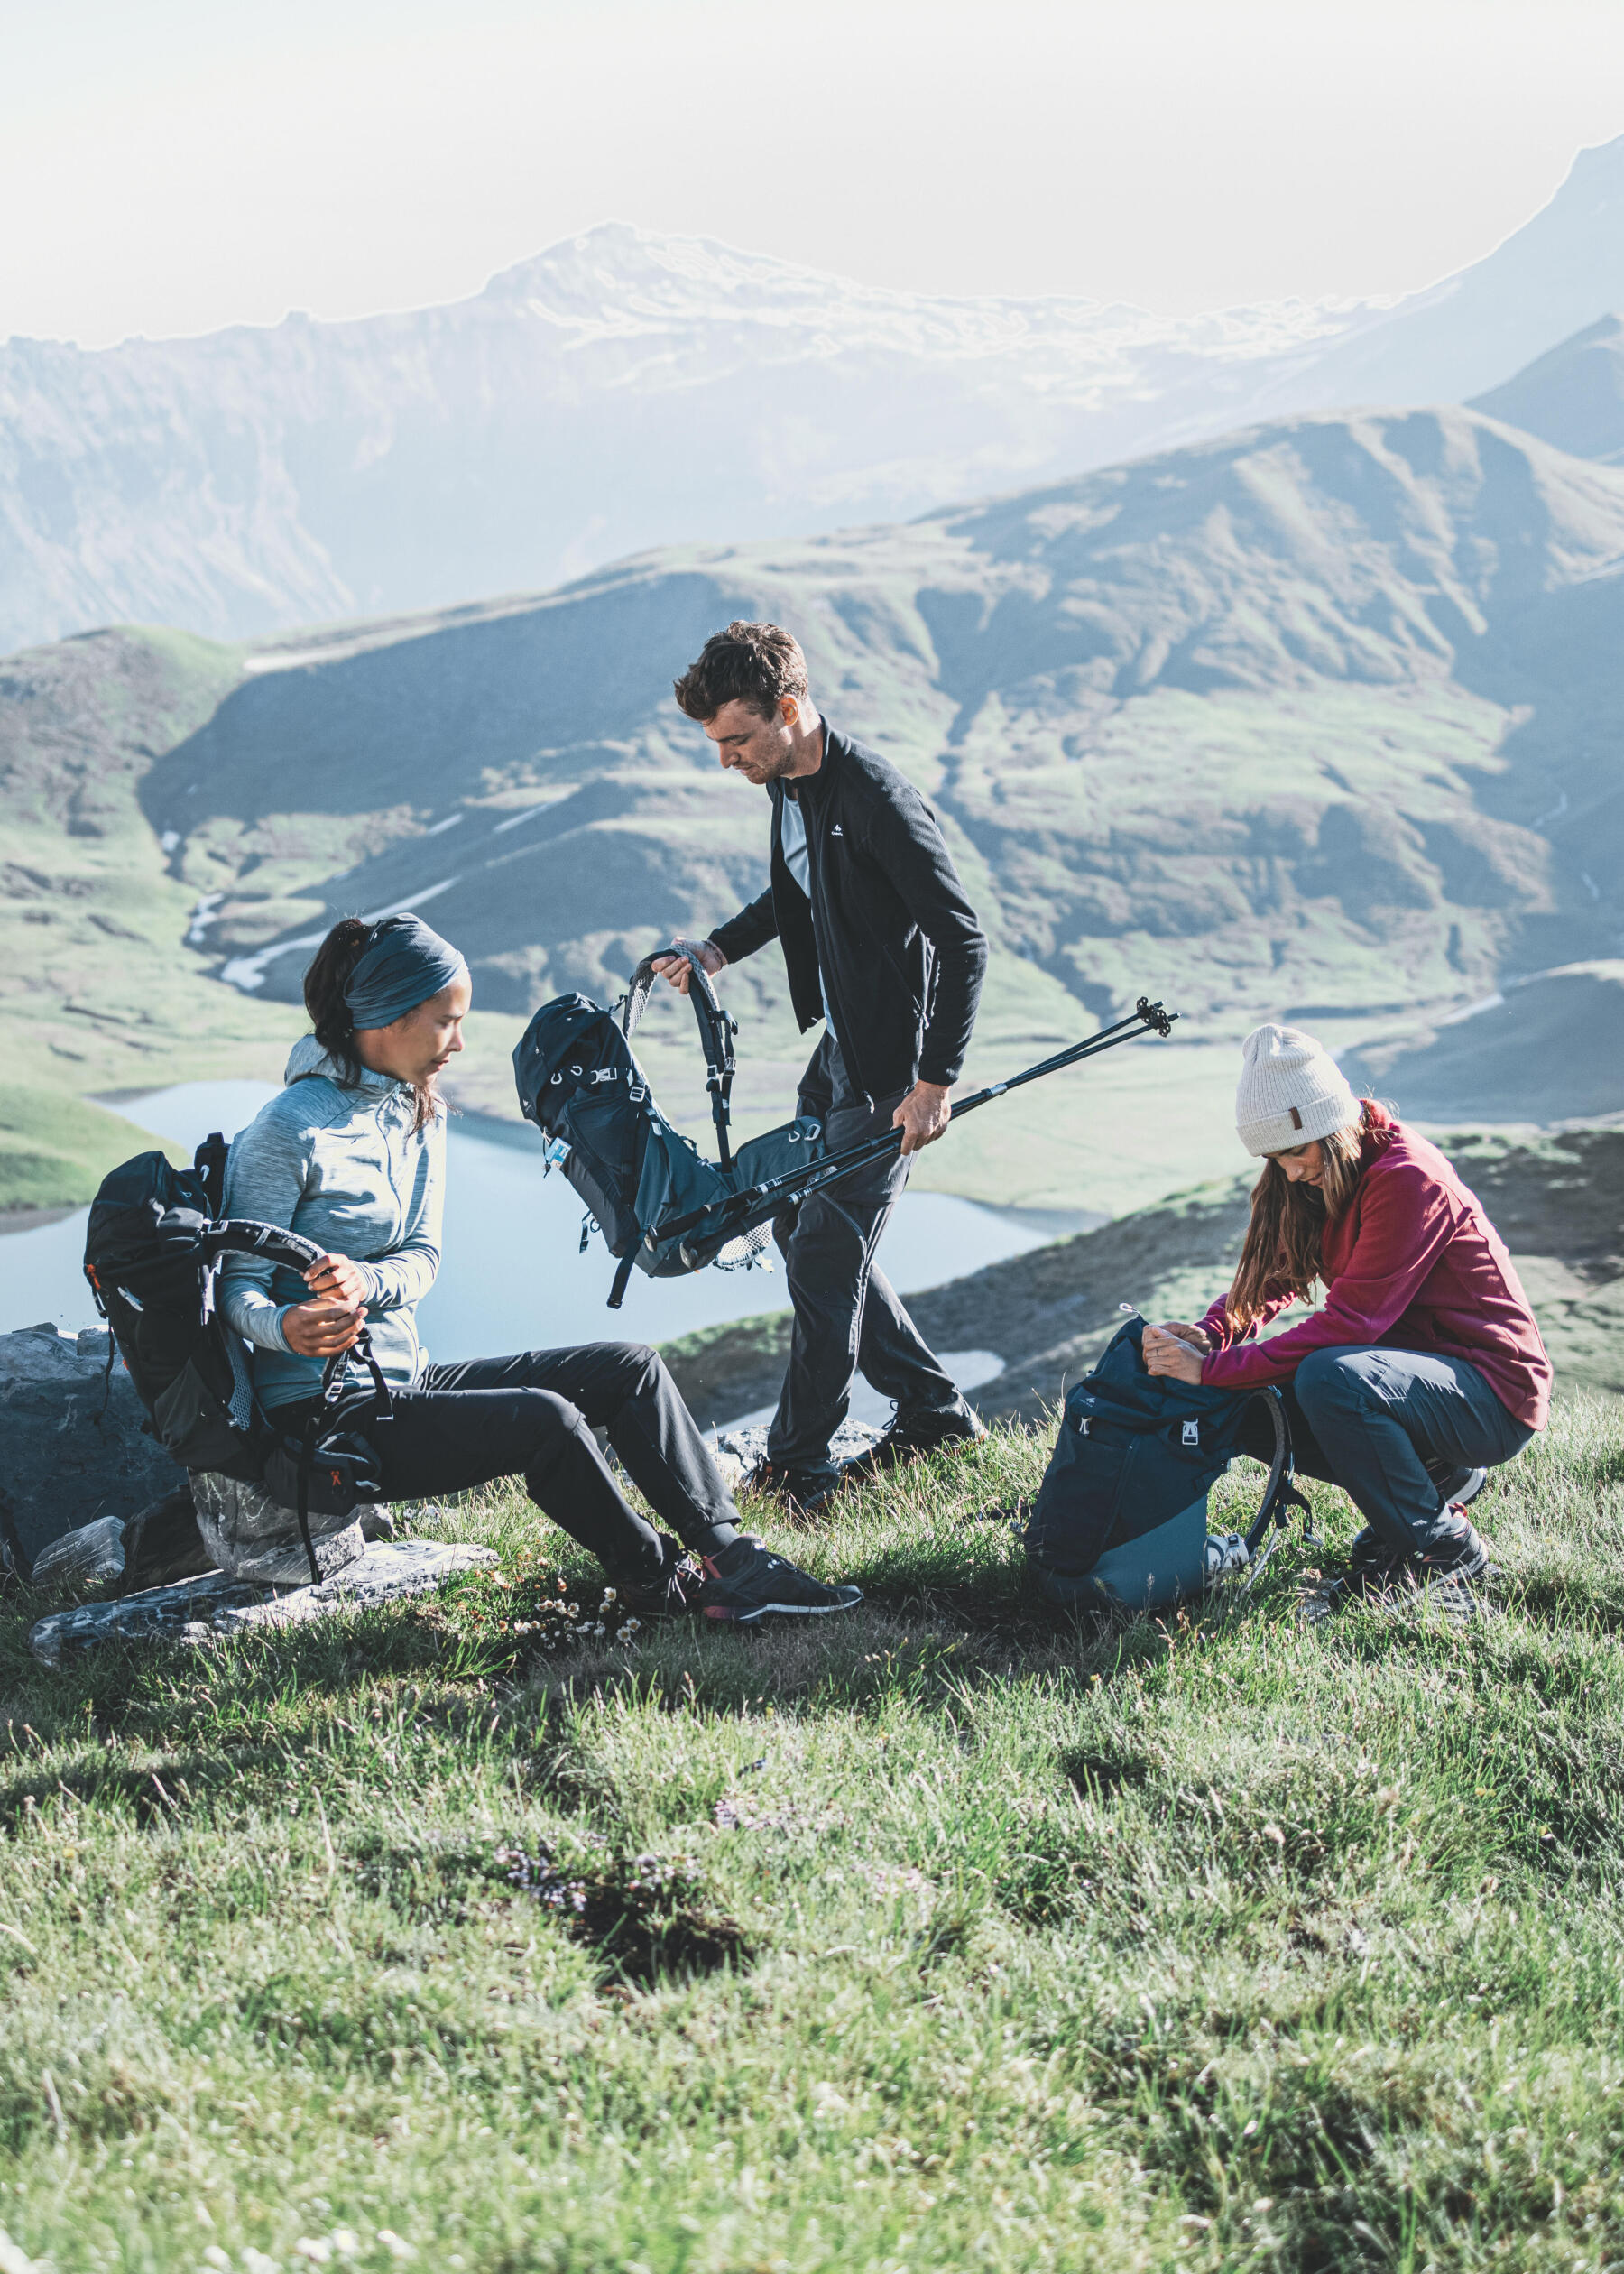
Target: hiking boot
[1374,1566]
[747,1582]
[1460,1559]
[911,1434]
[798,1492]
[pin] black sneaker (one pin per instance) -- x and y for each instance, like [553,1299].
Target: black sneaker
[911,1434]
[671,1594]
[1374,1566]
[798,1492]
[747,1582]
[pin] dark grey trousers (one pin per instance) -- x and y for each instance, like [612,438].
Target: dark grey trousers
[847,1317]
[533,1415]
[1385,1425]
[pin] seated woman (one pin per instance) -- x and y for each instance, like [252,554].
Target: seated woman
[1424,1368]
[352,1155]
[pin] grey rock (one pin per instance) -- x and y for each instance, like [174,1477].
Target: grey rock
[738,1450]
[253,1536]
[91,1557]
[63,1461]
[195,1611]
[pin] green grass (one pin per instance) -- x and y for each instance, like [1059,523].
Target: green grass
[944,1935]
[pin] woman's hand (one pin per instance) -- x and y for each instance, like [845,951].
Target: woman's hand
[1168,1355]
[339,1281]
[1198,1338]
[321,1330]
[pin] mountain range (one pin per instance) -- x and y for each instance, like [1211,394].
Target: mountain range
[625,391]
[1321,719]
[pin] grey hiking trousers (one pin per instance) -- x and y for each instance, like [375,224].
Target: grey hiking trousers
[848,1318]
[1390,1426]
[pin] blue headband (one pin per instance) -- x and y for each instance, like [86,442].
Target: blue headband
[404,965]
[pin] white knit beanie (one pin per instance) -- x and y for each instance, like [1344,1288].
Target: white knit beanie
[1291,1091]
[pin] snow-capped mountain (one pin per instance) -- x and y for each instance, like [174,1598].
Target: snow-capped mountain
[624,390]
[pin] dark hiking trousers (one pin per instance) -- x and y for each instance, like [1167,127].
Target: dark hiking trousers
[1387,1425]
[847,1317]
[533,1415]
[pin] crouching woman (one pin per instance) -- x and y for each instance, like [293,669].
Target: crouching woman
[1423,1369]
[352,1155]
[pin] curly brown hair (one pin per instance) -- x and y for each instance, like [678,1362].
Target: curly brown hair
[754,664]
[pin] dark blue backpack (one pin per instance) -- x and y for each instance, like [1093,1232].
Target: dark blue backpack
[1120,1519]
[580,1085]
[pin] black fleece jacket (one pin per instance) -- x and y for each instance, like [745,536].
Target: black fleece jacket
[888,926]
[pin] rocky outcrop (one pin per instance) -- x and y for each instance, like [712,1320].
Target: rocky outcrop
[72,1444]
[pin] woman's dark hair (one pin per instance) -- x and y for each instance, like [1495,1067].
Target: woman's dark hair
[1285,1234]
[324,985]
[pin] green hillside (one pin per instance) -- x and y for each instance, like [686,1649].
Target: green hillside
[1319,721]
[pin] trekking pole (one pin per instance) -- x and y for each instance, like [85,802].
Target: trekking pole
[721,1216]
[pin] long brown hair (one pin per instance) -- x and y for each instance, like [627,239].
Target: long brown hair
[324,985]
[1282,1248]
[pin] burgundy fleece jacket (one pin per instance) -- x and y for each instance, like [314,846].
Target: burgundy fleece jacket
[1411,1263]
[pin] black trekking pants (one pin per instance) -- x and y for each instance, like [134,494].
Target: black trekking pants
[533,1415]
[848,1319]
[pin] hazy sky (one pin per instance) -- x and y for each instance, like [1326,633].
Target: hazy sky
[173,165]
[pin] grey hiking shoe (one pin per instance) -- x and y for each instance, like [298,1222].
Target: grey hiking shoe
[911,1434]
[747,1582]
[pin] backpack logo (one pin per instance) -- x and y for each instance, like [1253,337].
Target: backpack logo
[837,831]
[1192,1433]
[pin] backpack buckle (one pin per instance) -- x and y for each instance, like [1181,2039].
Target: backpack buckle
[637,1091]
[1192,1433]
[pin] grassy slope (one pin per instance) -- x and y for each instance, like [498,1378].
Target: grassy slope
[96,993]
[1558,1202]
[1171,1946]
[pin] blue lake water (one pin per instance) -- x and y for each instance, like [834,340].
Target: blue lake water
[511,1275]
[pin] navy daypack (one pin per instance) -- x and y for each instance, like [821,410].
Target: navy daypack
[580,1085]
[1121,1516]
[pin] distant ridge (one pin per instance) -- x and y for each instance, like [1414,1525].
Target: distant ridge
[624,390]
[1574,396]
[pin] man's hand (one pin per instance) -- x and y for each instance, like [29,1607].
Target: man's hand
[321,1330]
[922,1116]
[678,970]
[339,1280]
[1169,1356]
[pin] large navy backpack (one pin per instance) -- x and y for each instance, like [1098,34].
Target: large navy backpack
[580,1085]
[1120,1519]
[153,1246]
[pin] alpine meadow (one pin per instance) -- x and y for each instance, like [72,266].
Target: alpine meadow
[1268,665]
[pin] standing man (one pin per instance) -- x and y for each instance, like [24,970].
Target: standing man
[881,944]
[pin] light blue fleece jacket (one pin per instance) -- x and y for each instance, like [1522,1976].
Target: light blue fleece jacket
[346,1168]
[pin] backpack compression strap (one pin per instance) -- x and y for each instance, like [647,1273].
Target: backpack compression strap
[1280,1495]
[716,1029]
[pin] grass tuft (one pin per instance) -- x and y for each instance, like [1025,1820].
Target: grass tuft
[948,1934]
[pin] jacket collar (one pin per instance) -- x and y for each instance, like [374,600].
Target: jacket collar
[307,1057]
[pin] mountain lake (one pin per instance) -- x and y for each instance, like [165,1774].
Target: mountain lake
[512,1276]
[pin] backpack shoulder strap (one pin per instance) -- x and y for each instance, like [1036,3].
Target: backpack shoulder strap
[716,1030]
